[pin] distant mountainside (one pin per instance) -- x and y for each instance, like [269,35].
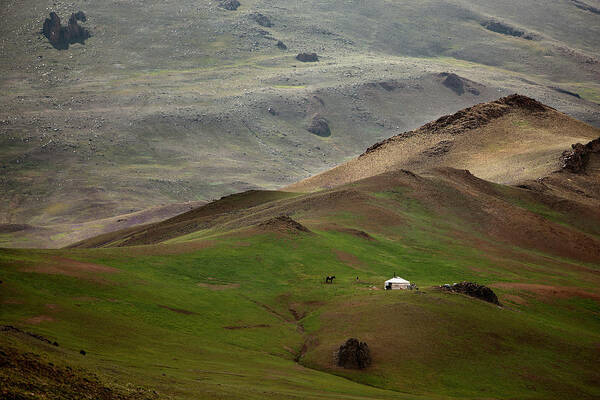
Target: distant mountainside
[189,100]
[506,141]
[514,137]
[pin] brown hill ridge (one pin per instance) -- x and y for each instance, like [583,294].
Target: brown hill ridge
[510,140]
[470,118]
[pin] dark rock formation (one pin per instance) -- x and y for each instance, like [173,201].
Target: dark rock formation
[576,160]
[474,290]
[458,84]
[319,126]
[307,57]
[52,29]
[230,5]
[262,20]
[586,7]
[564,91]
[281,45]
[455,83]
[353,354]
[62,36]
[500,27]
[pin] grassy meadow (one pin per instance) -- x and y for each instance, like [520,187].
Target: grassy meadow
[246,312]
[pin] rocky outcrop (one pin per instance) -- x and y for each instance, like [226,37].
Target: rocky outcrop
[353,354]
[262,20]
[474,290]
[307,57]
[230,5]
[505,29]
[454,82]
[283,223]
[576,160]
[319,126]
[61,37]
[281,45]
[586,7]
[469,118]
[458,84]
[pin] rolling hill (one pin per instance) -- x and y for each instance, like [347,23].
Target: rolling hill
[506,141]
[228,300]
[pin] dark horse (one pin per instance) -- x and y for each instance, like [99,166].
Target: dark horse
[329,279]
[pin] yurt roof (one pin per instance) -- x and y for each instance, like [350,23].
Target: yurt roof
[397,279]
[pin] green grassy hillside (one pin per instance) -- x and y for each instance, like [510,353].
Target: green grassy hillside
[239,308]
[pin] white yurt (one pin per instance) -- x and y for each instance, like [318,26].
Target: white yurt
[396,283]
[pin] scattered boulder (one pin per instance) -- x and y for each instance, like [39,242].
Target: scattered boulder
[502,28]
[230,5]
[576,160]
[281,45]
[353,354]
[474,290]
[307,57]
[62,36]
[262,20]
[319,126]
[455,83]
[458,84]
[272,111]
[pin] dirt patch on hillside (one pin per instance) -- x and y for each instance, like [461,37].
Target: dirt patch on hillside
[515,299]
[349,259]
[356,232]
[548,292]
[178,310]
[84,266]
[73,268]
[38,319]
[218,287]
[12,300]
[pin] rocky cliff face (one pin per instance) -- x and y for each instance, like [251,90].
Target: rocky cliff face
[576,160]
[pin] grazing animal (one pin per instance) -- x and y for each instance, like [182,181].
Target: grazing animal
[329,279]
